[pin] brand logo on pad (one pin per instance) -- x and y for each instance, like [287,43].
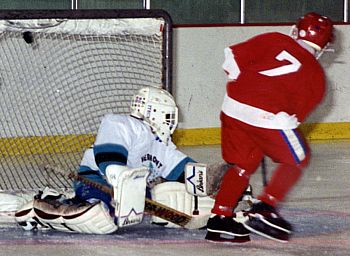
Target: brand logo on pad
[132,218]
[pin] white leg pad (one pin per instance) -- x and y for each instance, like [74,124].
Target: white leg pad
[89,218]
[96,220]
[12,202]
[175,195]
[129,196]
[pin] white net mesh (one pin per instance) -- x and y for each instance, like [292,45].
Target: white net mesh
[57,79]
[126,26]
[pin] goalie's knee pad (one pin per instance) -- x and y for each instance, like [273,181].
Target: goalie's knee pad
[175,195]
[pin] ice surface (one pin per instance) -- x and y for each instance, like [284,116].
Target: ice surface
[318,208]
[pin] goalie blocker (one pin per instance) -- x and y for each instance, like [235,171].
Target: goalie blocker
[129,186]
[195,197]
[204,179]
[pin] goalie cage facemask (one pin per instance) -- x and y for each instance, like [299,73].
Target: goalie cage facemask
[157,108]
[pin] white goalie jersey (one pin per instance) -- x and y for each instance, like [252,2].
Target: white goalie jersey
[125,140]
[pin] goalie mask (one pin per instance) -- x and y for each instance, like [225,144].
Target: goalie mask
[157,108]
[315,30]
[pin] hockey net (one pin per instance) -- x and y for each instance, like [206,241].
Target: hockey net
[60,72]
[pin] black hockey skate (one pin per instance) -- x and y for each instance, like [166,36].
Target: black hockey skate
[264,220]
[226,229]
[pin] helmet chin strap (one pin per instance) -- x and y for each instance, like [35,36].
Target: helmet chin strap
[312,50]
[307,46]
[325,49]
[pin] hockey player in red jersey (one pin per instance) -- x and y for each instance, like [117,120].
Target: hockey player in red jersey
[274,82]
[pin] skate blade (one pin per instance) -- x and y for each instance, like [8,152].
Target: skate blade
[267,231]
[214,237]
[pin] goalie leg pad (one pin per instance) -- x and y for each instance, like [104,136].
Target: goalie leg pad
[129,196]
[95,220]
[84,218]
[12,202]
[175,195]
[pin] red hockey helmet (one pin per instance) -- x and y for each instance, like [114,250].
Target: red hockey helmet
[315,29]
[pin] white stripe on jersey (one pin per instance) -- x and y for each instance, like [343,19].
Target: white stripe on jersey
[230,65]
[295,144]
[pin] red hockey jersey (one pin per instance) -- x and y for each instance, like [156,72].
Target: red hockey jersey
[277,75]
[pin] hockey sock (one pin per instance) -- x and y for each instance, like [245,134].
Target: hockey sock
[282,180]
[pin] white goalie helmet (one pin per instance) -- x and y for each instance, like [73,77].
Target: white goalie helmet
[157,108]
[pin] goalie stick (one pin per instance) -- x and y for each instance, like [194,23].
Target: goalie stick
[151,207]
